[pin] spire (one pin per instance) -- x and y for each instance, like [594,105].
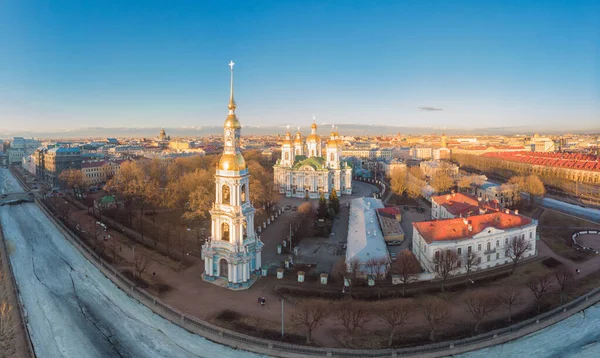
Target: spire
[231,105]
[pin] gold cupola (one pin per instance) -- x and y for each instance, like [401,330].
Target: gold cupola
[298,140]
[313,137]
[232,159]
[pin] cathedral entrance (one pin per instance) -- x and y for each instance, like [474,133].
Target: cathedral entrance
[224,269]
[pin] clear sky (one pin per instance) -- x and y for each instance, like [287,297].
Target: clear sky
[78,63]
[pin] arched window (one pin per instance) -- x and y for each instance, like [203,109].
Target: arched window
[243,193]
[287,156]
[313,152]
[225,194]
[225,231]
[331,157]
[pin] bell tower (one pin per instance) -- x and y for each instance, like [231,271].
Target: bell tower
[287,152]
[233,252]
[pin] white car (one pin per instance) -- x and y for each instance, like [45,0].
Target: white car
[393,256]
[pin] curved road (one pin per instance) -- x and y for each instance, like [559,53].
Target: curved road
[74,310]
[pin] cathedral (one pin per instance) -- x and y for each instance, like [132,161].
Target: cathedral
[232,255]
[305,171]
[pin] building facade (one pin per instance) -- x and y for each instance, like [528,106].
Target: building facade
[232,255]
[304,171]
[488,236]
[97,172]
[51,162]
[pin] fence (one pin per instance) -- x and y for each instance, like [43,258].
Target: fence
[273,348]
[21,310]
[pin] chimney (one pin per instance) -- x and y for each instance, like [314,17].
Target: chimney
[516,212]
[479,199]
[506,211]
[453,194]
[465,221]
[470,227]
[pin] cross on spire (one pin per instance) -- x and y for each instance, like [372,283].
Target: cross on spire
[231,105]
[231,64]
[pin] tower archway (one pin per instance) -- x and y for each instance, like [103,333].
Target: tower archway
[223,268]
[225,194]
[225,231]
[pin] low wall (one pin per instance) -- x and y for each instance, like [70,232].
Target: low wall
[278,349]
[26,350]
[578,246]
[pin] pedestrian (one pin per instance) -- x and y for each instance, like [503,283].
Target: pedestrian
[263,301]
[578,271]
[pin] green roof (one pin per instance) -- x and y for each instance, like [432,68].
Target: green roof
[315,162]
[108,199]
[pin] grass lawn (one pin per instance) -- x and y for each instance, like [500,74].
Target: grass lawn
[555,230]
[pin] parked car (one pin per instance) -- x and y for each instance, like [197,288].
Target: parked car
[393,242]
[393,256]
[294,208]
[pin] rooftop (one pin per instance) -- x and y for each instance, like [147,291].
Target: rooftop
[466,228]
[562,160]
[365,239]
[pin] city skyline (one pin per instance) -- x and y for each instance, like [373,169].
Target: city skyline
[435,65]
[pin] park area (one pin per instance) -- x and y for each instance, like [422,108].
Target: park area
[159,248]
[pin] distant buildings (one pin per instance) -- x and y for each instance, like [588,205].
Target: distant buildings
[96,172]
[569,166]
[19,148]
[460,205]
[304,171]
[51,162]
[431,168]
[506,194]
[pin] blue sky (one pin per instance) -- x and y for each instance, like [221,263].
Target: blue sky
[69,64]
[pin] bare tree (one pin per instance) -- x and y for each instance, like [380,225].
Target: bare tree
[539,286]
[407,266]
[140,264]
[517,247]
[480,304]
[564,277]
[310,314]
[395,314]
[509,296]
[348,271]
[352,315]
[113,247]
[436,312]
[470,260]
[445,262]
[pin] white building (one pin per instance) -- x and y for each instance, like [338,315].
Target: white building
[487,235]
[430,168]
[506,194]
[365,238]
[369,153]
[420,152]
[28,163]
[391,165]
[303,172]
[232,255]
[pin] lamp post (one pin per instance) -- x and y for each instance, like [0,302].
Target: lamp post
[282,328]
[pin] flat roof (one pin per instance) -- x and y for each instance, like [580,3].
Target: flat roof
[365,239]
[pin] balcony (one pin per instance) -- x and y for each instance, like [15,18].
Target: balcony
[490,251]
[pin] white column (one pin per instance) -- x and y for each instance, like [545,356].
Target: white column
[235,273]
[230,272]
[258,260]
[210,265]
[206,263]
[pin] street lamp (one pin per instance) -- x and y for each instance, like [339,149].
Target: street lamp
[282,330]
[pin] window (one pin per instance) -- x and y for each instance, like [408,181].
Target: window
[497,255]
[489,246]
[436,256]
[469,250]
[287,156]
[497,243]
[458,264]
[488,258]
[225,194]
[459,251]
[531,234]
[331,157]
[478,247]
[506,241]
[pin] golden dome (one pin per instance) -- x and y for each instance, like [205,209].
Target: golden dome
[313,126]
[233,162]
[232,122]
[313,138]
[298,141]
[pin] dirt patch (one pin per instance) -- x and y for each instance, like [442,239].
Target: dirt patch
[257,326]
[556,229]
